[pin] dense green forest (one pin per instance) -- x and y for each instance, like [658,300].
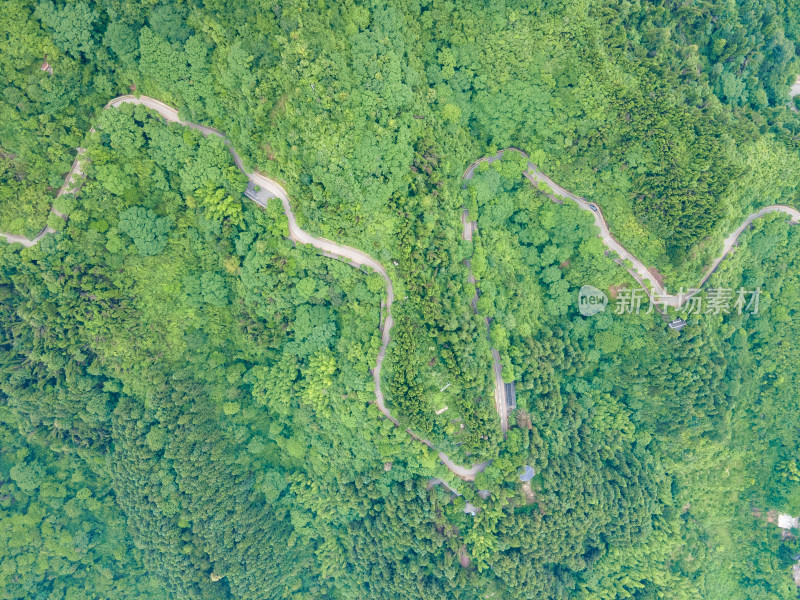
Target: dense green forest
[187,408]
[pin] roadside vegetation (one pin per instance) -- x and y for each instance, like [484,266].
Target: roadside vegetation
[186,404]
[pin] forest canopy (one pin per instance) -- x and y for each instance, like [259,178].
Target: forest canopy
[188,398]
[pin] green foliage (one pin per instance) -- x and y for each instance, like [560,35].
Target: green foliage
[147,230]
[72,26]
[61,526]
[194,417]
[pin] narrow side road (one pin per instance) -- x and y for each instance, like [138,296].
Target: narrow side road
[470,227]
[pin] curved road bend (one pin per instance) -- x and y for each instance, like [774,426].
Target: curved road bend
[296,234]
[70,183]
[638,270]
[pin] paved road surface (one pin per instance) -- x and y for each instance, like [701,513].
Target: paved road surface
[359,258]
[794,91]
[70,183]
[276,190]
[469,226]
[641,273]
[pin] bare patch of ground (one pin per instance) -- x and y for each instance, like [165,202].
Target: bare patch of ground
[530,495]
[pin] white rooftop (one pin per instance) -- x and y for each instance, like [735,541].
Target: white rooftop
[788,521]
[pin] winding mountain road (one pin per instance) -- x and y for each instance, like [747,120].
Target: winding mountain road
[276,190]
[656,291]
[358,258]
